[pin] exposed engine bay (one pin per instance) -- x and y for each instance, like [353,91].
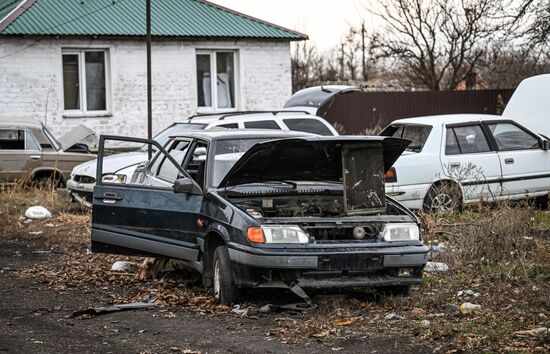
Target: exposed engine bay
[322,216]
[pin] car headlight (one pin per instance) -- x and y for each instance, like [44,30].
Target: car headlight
[113,178]
[277,234]
[401,232]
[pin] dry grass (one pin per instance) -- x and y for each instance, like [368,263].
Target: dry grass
[501,252]
[68,228]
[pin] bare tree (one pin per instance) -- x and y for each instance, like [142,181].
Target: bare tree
[534,17]
[304,63]
[437,43]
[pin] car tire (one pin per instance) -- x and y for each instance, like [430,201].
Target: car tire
[46,183]
[542,202]
[225,291]
[395,290]
[443,197]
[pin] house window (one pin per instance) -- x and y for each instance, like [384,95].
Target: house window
[85,80]
[216,79]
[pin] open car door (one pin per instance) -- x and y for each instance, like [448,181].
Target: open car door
[138,219]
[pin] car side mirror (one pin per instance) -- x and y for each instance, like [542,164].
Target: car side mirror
[545,145]
[186,185]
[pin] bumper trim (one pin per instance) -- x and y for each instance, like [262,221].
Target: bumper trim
[264,261]
[356,282]
[399,260]
[301,261]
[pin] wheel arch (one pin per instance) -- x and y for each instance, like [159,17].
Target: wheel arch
[443,181]
[48,172]
[212,240]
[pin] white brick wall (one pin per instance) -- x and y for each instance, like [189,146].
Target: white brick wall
[31,81]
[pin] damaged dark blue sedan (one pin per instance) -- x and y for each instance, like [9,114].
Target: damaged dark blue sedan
[265,209]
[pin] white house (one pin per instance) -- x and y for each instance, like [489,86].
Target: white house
[71,62]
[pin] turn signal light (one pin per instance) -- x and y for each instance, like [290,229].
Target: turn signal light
[255,234]
[391,176]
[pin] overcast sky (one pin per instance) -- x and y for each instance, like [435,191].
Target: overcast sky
[324,21]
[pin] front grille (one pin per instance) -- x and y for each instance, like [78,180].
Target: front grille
[363,170]
[341,234]
[84,179]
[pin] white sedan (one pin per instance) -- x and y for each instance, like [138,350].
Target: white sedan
[459,159]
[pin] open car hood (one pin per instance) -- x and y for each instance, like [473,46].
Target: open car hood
[305,159]
[74,136]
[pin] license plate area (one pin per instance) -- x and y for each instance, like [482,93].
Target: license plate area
[349,262]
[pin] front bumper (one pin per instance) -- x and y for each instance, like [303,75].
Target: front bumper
[81,192]
[329,267]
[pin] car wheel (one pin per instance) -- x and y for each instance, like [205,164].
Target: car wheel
[442,197]
[395,290]
[47,183]
[542,202]
[225,291]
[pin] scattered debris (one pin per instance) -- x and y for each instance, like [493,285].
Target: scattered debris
[124,266]
[270,308]
[468,307]
[37,212]
[467,292]
[452,311]
[436,247]
[393,316]
[36,233]
[540,332]
[425,323]
[117,307]
[346,321]
[436,267]
[535,288]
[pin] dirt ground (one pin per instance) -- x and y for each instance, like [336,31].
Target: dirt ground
[36,318]
[47,273]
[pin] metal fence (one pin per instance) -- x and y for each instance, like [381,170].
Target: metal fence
[358,112]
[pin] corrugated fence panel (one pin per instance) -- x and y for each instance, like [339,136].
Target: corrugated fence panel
[358,111]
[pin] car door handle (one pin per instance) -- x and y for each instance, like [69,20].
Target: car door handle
[454,164]
[509,161]
[109,198]
[35,157]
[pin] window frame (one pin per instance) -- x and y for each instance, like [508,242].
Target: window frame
[29,135]
[83,111]
[484,131]
[213,83]
[493,141]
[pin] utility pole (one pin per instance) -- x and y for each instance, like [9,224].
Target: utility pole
[342,62]
[363,32]
[149,93]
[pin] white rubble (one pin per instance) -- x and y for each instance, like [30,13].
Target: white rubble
[436,267]
[37,212]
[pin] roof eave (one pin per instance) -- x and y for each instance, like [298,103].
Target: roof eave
[155,37]
[12,16]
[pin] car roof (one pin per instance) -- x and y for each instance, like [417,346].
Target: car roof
[21,123]
[448,119]
[222,133]
[232,117]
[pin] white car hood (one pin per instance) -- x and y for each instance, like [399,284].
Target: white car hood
[529,104]
[111,164]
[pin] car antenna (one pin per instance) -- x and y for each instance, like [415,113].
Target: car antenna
[325,89]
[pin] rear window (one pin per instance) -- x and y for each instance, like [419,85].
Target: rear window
[12,139]
[417,134]
[262,124]
[308,125]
